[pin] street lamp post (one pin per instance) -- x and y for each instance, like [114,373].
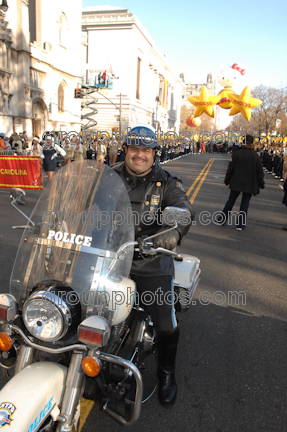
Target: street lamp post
[120,111]
[156,108]
[4,5]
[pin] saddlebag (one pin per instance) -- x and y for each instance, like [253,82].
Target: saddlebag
[186,278]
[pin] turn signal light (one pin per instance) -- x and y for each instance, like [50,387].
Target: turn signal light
[5,342]
[91,366]
[90,337]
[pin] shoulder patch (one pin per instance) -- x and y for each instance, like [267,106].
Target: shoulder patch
[180,186]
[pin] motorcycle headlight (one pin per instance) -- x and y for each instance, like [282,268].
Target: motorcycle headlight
[51,312]
[43,320]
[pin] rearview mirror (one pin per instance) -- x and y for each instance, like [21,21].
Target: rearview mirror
[18,195]
[176,216]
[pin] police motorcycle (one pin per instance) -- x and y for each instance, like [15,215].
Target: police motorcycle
[70,323]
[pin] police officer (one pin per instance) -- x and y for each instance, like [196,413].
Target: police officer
[151,189]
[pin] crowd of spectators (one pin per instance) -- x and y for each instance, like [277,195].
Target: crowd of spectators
[107,149]
[273,156]
[16,142]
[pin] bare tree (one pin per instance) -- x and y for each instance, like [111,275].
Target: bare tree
[239,123]
[283,124]
[274,103]
[263,117]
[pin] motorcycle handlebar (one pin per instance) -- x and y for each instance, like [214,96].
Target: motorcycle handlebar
[147,249]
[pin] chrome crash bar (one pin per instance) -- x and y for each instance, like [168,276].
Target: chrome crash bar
[139,389]
[43,348]
[104,357]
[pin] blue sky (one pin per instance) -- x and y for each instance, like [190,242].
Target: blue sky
[197,37]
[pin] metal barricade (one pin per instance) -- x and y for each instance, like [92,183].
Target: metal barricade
[9,152]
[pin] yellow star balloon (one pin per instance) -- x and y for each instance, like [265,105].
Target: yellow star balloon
[204,103]
[243,103]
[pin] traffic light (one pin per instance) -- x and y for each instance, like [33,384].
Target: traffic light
[77,93]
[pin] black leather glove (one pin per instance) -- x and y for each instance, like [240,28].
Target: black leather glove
[167,240]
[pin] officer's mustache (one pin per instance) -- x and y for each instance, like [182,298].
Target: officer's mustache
[135,158]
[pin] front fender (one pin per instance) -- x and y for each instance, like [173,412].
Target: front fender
[31,395]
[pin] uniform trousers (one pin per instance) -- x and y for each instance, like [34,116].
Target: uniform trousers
[156,294]
[241,219]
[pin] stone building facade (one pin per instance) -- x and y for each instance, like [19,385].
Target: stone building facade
[194,89]
[116,41]
[40,66]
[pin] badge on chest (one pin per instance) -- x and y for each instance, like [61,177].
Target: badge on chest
[154,202]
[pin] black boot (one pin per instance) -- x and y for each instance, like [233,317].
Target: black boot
[166,346]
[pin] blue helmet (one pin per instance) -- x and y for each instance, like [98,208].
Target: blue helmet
[142,134]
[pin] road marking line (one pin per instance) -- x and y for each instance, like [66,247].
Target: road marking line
[200,184]
[86,407]
[198,178]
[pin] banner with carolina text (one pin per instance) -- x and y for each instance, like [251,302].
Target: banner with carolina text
[21,171]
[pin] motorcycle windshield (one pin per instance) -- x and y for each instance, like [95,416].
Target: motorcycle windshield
[82,220]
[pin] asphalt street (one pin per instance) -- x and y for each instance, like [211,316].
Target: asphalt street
[231,364]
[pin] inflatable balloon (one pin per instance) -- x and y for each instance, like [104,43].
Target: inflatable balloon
[227,76]
[189,120]
[196,122]
[243,103]
[224,101]
[193,122]
[204,103]
[236,67]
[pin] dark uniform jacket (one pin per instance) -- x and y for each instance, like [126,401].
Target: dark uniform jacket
[285,193]
[149,195]
[245,172]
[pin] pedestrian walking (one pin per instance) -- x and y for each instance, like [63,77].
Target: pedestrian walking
[244,174]
[48,153]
